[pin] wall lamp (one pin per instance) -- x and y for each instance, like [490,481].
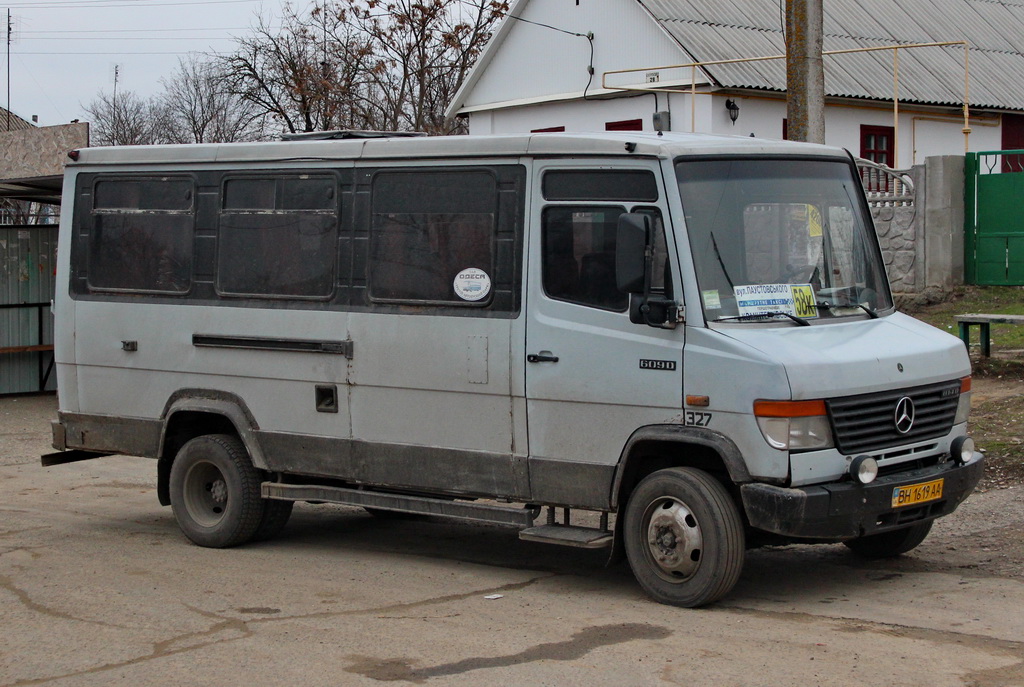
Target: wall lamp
[734,110]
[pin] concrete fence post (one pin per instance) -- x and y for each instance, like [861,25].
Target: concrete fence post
[944,221]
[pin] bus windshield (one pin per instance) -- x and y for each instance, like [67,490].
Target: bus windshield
[781,237]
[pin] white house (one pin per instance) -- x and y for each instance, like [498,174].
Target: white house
[535,74]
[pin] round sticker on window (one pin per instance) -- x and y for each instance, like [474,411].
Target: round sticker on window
[472,284]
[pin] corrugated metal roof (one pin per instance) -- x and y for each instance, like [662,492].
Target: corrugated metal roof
[15,121]
[713,30]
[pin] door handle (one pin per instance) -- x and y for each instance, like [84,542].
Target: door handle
[543,357]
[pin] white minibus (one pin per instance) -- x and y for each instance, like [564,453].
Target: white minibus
[689,337]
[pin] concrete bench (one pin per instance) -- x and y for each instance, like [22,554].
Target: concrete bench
[983,321]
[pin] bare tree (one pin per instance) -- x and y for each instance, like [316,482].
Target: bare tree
[125,119]
[424,49]
[363,64]
[345,64]
[301,75]
[198,107]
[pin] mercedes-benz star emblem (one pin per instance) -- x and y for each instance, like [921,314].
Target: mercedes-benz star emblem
[904,415]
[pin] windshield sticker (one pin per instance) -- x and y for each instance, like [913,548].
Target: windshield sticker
[813,221]
[472,284]
[712,300]
[803,301]
[766,299]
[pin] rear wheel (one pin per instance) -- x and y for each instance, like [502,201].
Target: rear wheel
[684,537]
[890,544]
[215,492]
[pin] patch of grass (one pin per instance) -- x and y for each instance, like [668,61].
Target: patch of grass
[1007,339]
[996,426]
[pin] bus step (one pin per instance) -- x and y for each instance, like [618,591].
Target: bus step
[402,503]
[568,535]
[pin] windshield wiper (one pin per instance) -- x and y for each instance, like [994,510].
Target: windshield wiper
[825,305]
[753,317]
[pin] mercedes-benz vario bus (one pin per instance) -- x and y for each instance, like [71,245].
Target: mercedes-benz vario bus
[691,337]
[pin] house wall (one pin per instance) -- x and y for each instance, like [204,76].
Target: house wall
[39,151]
[920,135]
[535,61]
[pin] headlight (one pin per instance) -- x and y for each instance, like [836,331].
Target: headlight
[794,425]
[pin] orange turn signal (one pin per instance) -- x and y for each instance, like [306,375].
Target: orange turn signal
[789,408]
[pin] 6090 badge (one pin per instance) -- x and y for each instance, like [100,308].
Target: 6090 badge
[666,365]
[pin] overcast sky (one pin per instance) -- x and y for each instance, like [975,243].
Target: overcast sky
[64,51]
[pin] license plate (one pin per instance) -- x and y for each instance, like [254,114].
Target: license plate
[913,494]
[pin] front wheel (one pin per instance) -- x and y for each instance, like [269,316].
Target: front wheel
[215,492]
[684,537]
[890,544]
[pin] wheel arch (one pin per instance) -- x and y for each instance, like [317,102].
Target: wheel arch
[194,412]
[656,447]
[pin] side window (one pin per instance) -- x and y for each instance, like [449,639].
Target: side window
[579,255]
[638,185]
[277,237]
[433,237]
[142,235]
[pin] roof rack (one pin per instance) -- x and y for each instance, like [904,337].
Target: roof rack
[341,134]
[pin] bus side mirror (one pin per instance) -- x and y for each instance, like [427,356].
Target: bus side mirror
[631,239]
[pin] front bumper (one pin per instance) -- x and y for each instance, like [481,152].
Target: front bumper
[845,510]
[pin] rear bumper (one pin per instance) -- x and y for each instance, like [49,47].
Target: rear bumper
[845,510]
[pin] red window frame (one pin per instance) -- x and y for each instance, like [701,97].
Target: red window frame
[877,143]
[625,125]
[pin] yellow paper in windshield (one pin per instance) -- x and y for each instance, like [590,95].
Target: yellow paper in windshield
[813,221]
[803,300]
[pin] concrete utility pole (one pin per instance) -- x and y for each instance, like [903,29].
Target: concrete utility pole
[10,26]
[805,72]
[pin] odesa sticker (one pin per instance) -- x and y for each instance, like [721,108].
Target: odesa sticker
[472,284]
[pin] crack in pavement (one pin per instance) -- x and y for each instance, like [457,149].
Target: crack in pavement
[23,597]
[1012,673]
[9,533]
[28,549]
[242,629]
[161,649]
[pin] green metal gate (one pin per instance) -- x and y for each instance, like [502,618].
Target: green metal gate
[994,218]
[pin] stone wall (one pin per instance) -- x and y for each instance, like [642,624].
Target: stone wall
[923,243]
[897,229]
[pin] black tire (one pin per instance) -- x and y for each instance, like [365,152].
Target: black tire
[684,537]
[215,492]
[890,544]
[275,517]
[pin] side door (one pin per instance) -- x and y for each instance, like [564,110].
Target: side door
[430,390]
[592,376]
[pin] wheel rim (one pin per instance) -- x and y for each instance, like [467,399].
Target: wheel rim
[205,494]
[674,540]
